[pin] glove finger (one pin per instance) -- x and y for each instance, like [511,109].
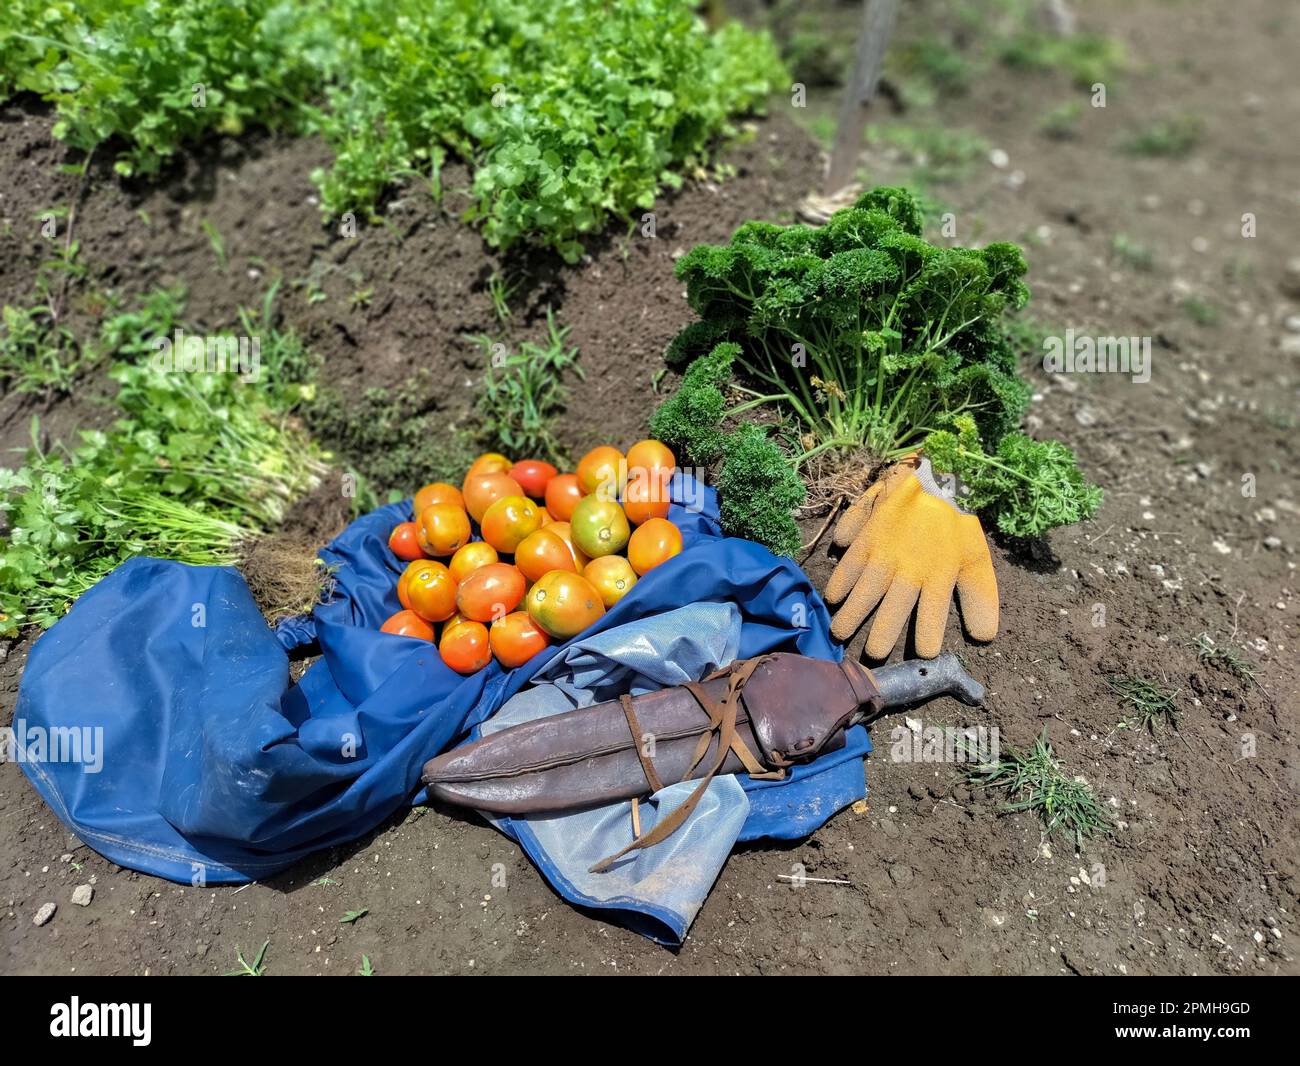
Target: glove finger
[849,568]
[891,618]
[977,586]
[866,594]
[932,615]
[852,521]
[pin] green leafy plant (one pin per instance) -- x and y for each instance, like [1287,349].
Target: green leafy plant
[568,110]
[250,969]
[523,392]
[1029,486]
[1225,657]
[194,465]
[1035,781]
[862,333]
[750,459]
[1168,138]
[1153,705]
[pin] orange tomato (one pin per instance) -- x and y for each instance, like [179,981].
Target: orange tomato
[533,475]
[564,604]
[483,490]
[509,520]
[645,497]
[602,469]
[515,639]
[612,576]
[465,647]
[407,624]
[412,567]
[562,495]
[445,527]
[432,592]
[543,551]
[490,463]
[404,541]
[653,542]
[651,458]
[490,592]
[438,492]
[565,532]
[470,557]
[599,526]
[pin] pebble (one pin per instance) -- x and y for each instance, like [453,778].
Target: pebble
[999,158]
[1272,543]
[900,874]
[888,827]
[44,914]
[82,895]
[1290,344]
[1292,323]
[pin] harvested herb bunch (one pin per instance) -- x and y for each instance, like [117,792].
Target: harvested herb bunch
[861,332]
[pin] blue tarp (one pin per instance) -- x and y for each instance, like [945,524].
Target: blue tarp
[210,767]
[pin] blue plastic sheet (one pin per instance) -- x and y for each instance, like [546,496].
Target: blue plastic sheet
[213,768]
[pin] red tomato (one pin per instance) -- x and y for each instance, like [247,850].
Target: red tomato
[445,528]
[469,558]
[412,567]
[652,459]
[438,492]
[541,552]
[432,592]
[404,540]
[483,490]
[465,647]
[603,469]
[533,476]
[645,497]
[407,624]
[509,520]
[490,592]
[654,542]
[515,639]
[562,495]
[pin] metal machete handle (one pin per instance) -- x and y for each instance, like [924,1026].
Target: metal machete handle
[915,680]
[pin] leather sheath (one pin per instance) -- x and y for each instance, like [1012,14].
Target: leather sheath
[789,709]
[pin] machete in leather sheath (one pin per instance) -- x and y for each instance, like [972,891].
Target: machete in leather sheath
[758,716]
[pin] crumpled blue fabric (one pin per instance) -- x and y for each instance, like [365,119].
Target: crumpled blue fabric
[215,769]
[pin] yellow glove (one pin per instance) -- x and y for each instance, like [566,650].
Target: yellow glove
[908,540]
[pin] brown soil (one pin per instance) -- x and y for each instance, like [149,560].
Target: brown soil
[1200,874]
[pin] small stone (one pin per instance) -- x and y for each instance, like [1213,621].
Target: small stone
[44,914]
[201,950]
[888,827]
[1292,323]
[66,857]
[1272,543]
[999,158]
[900,874]
[82,895]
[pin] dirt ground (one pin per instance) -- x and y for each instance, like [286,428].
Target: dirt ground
[1200,873]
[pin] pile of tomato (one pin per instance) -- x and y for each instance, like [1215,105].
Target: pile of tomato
[550,561]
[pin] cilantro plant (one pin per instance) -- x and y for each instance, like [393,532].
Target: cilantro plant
[862,333]
[194,464]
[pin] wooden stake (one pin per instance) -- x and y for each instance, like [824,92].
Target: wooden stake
[878,17]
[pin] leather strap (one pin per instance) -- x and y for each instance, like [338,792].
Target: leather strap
[647,767]
[722,720]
